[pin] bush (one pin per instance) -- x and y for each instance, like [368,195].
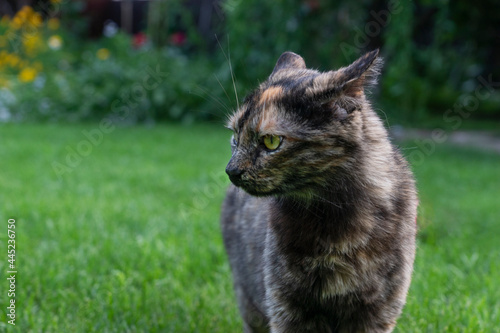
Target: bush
[432,62]
[53,76]
[433,55]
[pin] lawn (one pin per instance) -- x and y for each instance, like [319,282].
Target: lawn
[127,238]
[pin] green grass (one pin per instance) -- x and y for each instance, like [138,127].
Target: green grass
[457,270]
[129,240]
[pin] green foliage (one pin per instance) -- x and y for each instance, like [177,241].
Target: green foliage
[434,59]
[129,239]
[71,16]
[93,81]
[433,64]
[50,74]
[259,31]
[166,18]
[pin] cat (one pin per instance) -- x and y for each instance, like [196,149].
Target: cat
[319,222]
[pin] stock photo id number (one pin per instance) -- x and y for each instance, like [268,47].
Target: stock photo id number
[11,271]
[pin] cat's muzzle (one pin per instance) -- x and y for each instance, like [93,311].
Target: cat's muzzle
[234,174]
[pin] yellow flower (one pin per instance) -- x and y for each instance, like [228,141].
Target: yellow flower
[53,23]
[13,60]
[36,20]
[32,43]
[9,59]
[17,22]
[24,13]
[26,10]
[28,74]
[103,54]
[55,42]
[27,17]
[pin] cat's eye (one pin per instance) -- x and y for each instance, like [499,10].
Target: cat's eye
[272,142]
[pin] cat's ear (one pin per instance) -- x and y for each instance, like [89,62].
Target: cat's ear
[348,81]
[361,74]
[289,60]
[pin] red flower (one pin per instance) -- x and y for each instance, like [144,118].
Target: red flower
[139,40]
[178,38]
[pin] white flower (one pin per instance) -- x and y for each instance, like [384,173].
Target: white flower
[55,42]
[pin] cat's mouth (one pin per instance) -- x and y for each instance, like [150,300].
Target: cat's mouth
[254,182]
[252,187]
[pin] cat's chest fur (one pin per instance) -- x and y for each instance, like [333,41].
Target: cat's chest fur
[324,246]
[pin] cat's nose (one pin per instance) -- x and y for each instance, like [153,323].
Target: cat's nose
[234,172]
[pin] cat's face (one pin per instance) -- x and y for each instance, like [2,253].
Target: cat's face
[297,126]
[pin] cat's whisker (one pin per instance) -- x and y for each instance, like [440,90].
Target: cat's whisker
[228,59]
[386,119]
[232,74]
[223,89]
[213,98]
[227,113]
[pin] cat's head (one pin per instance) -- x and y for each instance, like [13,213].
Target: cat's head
[299,126]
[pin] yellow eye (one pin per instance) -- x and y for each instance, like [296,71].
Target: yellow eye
[272,142]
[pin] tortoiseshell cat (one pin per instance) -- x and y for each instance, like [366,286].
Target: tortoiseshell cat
[320,225]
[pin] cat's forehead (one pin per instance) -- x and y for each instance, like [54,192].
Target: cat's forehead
[263,110]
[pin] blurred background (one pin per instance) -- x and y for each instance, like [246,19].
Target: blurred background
[113,151]
[69,60]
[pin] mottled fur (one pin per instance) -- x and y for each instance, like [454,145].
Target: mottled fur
[320,233]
